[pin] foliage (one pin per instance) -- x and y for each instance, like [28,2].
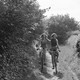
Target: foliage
[21,19]
[62,25]
[20,62]
[20,24]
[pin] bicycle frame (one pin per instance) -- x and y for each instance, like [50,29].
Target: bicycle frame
[42,56]
[54,61]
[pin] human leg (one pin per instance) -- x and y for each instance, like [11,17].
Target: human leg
[52,60]
[57,55]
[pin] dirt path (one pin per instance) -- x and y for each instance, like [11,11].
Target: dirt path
[65,72]
[64,69]
[67,63]
[64,65]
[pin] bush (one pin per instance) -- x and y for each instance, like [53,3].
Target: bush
[62,25]
[20,24]
[19,62]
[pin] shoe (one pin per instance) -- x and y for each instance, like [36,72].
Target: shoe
[53,67]
[57,60]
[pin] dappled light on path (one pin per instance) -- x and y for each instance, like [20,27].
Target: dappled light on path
[67,63]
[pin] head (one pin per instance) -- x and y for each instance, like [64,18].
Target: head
[43,36]
[53,35]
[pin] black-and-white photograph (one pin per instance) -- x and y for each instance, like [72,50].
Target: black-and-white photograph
[39,40]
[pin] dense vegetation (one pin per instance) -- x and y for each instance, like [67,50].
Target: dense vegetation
[20,24]
[62,25]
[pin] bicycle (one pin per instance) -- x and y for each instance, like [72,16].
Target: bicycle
[42,58]
[54,59]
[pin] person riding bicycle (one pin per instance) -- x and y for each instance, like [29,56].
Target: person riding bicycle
[78,47]
[43,44]
[54,47]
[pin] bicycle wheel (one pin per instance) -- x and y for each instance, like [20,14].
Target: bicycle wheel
[55,65]
[42,62]
[52,58]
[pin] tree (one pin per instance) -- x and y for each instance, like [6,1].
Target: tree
[20,24]
[62,25]
[20,18]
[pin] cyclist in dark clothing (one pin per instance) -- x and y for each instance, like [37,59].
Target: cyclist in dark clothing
[78,46]
[54,47]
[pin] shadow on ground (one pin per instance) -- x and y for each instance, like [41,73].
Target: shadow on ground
[59,75]
[46,74]
[78,75]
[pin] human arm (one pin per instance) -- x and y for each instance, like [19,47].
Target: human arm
[58,45]
[48,39]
